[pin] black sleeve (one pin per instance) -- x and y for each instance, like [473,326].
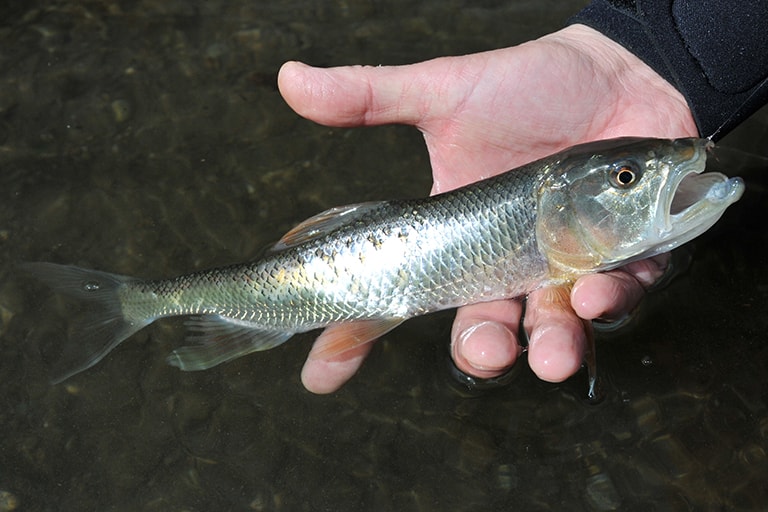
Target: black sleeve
[714,52]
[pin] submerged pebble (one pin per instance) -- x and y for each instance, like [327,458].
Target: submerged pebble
[121,110]
[8,501]
[601,493]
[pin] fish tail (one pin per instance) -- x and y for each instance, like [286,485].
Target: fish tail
[102,324]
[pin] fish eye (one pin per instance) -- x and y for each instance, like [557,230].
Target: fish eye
[624,176]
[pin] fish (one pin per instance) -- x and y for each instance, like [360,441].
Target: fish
[363,269]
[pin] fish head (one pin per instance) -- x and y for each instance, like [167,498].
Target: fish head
[607,203]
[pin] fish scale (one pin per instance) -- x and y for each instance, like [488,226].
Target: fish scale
[362,269]
[451,243]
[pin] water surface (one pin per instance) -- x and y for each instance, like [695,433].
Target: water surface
[149,139]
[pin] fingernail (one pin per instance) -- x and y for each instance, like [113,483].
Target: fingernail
[487,346]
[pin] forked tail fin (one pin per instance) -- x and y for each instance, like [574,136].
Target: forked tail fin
[101,325]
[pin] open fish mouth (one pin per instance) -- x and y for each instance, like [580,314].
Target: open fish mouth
[695,199]
[698,190]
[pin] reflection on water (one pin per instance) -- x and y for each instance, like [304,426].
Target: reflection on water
[149,139]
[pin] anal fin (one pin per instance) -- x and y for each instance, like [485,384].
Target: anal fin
[218,339]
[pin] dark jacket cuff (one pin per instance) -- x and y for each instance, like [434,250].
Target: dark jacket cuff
[715,53]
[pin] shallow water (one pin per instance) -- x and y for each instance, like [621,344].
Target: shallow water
[149,139]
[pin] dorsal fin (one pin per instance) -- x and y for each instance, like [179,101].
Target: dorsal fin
[323,223]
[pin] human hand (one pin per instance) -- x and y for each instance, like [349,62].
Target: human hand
[483,114]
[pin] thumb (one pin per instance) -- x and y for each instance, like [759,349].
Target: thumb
[357,95]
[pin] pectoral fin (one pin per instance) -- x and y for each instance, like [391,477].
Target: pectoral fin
[218,339]
[557,297]
[339,338]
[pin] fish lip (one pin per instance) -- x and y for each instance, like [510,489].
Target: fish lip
[694,200]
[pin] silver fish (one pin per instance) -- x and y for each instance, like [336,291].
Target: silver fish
[365,268]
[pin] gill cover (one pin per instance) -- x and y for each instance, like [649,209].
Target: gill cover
[603,201]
